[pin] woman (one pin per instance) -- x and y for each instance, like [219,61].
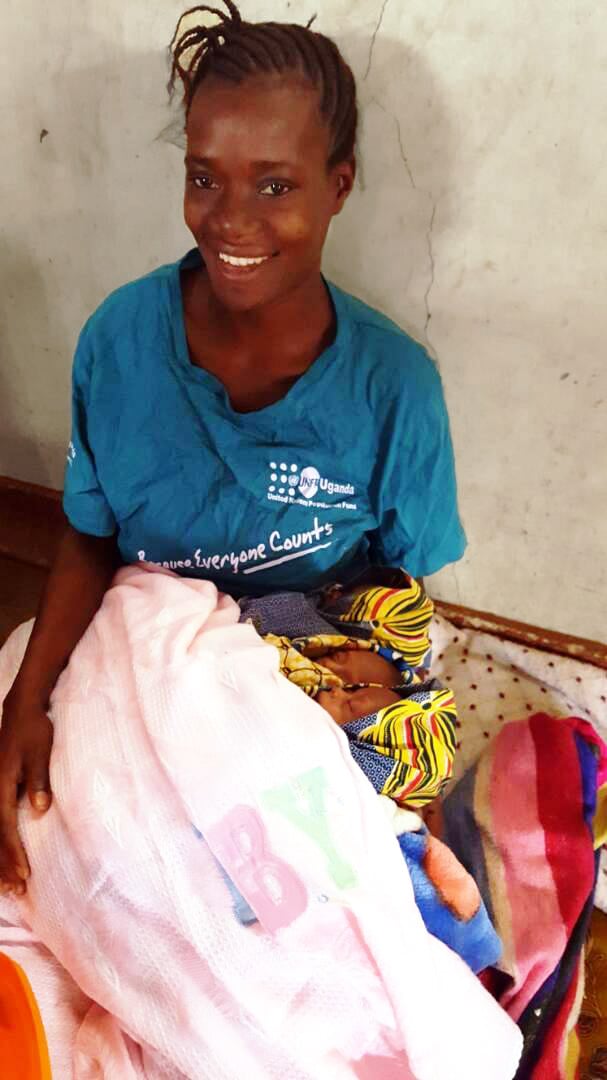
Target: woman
[234,415]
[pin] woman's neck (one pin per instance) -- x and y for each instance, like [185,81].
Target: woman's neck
[289,331]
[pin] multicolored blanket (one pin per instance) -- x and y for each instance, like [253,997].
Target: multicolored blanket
[526,821]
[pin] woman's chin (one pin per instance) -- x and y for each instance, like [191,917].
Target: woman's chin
[242,288]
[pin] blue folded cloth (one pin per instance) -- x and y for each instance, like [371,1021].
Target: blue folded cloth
[475,939]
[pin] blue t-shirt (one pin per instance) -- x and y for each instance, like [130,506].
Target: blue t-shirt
[354,465]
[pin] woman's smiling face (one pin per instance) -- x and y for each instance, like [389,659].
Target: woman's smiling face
[259,196]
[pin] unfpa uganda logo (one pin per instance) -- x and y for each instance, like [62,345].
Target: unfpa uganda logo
[288,482]
[285,479]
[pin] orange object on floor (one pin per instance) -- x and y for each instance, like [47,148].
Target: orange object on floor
[23,1049]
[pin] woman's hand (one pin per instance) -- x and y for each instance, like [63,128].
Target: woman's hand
[26,739]
[82,571]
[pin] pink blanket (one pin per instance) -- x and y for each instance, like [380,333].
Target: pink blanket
[182,756]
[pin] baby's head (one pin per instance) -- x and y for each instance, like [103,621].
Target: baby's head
[356,667]
[367,679]
[343,706]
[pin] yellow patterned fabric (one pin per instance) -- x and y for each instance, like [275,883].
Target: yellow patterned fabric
[298,660]
[398,618]
[592,1025]
[392,620]
[406,750]
[301,669]
[600,819]
[418,735]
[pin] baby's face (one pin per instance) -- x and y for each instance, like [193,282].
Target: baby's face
[360,666]
[347,705]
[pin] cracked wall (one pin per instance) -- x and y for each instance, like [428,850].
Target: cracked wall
[478,223]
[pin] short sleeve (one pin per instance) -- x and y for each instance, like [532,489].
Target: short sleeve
[84,502]
[420,528]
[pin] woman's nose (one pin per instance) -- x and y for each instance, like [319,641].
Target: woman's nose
[233,219]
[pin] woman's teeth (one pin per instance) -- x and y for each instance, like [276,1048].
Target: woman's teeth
[232,260]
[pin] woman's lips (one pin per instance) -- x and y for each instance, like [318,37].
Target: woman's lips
[235,267]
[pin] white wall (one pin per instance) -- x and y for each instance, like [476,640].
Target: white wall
[480,225]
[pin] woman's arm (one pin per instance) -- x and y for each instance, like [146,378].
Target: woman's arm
[80,576]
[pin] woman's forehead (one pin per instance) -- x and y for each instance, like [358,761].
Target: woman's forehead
[262,119]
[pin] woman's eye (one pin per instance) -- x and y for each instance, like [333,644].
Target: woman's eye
[275,188]
[203,183]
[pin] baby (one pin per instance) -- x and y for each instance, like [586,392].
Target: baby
[362,653]
[367,680]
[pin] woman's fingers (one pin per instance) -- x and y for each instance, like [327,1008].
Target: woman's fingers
[26,738]
[14,867]
[15,890]
[37,778]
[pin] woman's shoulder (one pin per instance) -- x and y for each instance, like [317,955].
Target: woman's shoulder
[381,344]
[134,307]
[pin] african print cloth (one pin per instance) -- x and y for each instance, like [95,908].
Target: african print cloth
[392,620]
[395,618]
[592,1026]
[406,750]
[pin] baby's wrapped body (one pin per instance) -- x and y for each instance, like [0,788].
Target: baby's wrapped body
[363,653]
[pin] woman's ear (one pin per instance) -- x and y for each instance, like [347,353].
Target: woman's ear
[344,175]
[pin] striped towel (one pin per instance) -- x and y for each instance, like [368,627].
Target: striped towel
[527,821]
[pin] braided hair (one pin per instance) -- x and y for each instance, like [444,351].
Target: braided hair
[233,49]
